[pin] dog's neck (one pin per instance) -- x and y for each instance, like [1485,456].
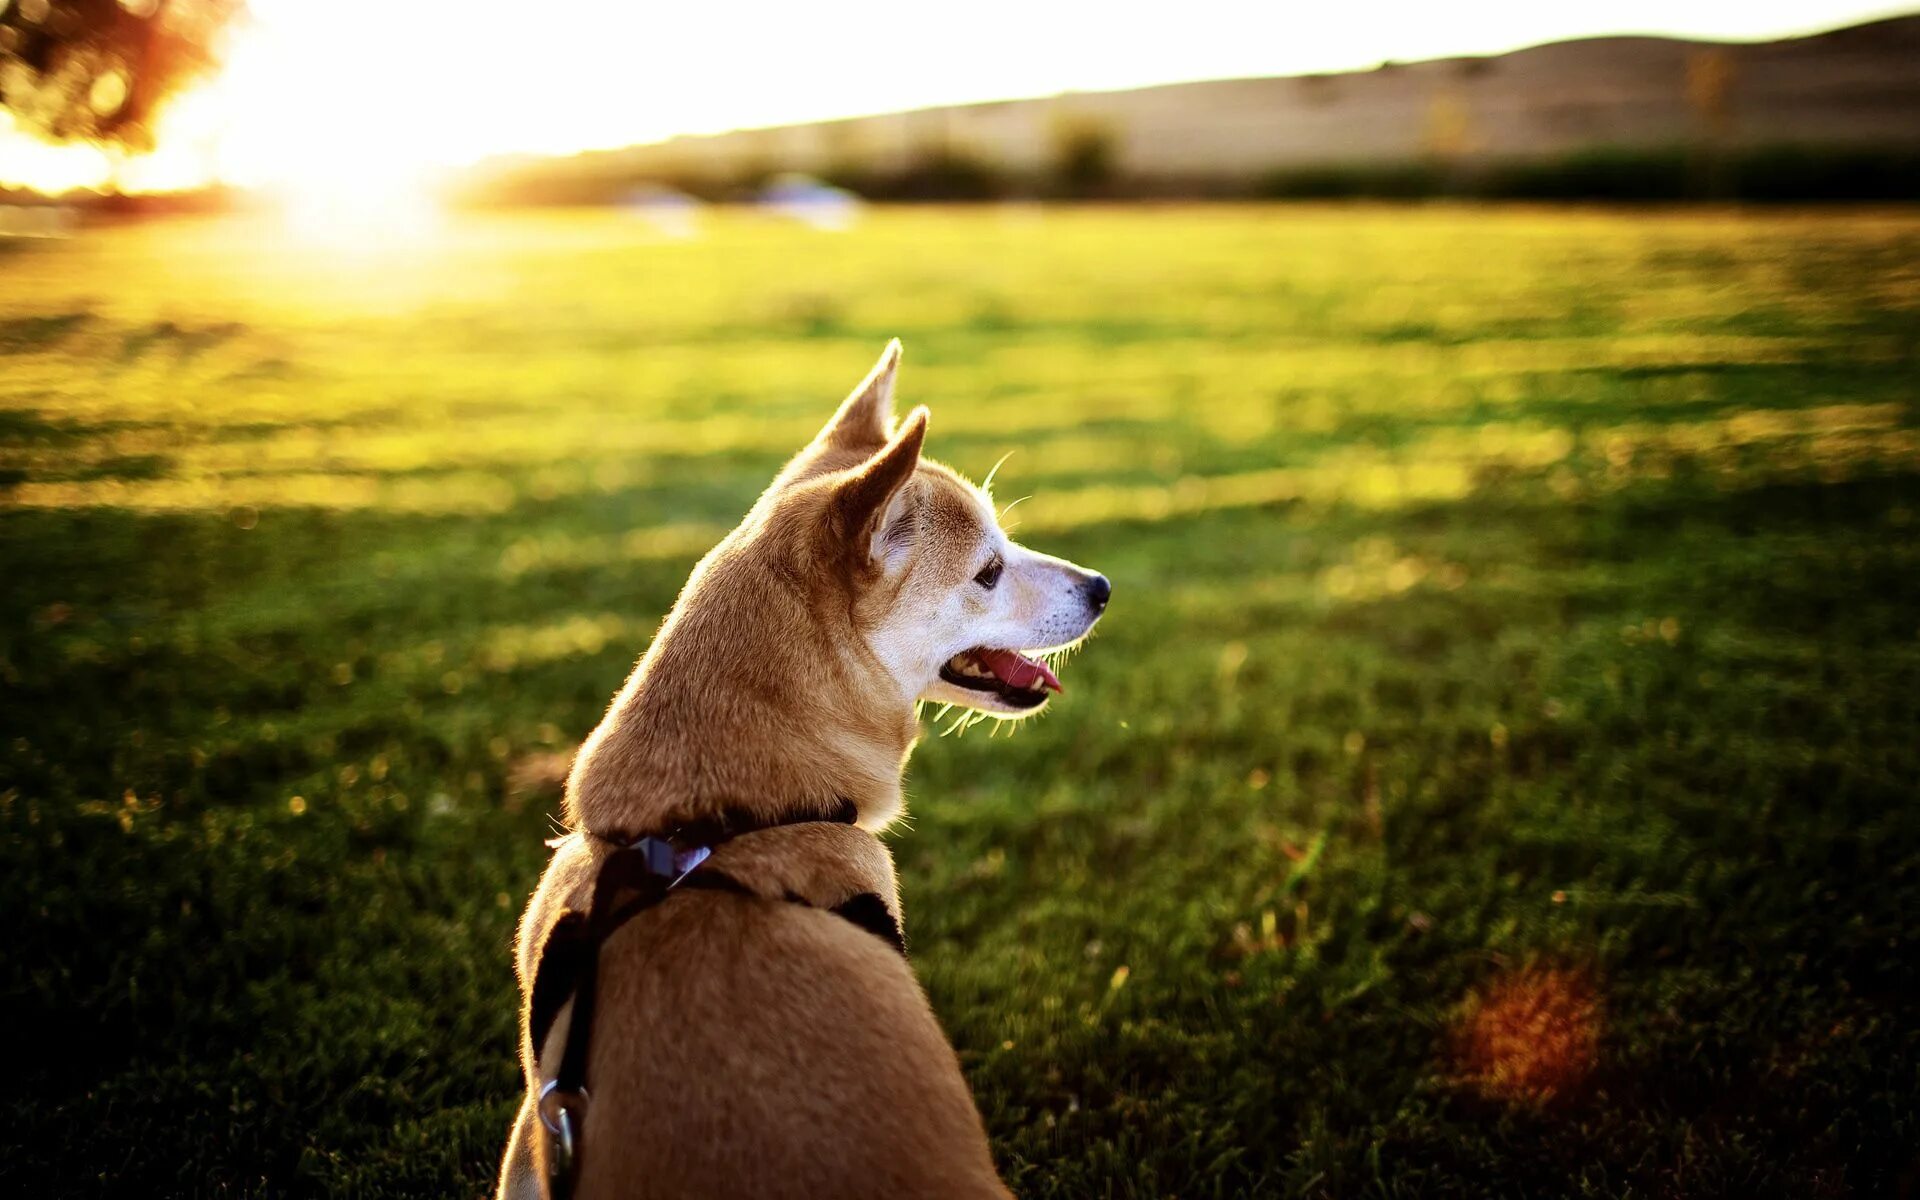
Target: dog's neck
[715,725]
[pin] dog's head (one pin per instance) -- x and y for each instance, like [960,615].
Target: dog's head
[865,579]
[947,607]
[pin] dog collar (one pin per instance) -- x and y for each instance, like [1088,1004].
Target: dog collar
[727,823]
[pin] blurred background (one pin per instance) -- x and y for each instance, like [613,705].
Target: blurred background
[1495,774]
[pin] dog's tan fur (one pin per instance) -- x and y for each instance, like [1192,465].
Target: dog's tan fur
[750,1046]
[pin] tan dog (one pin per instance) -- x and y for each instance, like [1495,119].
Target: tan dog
[752,1042]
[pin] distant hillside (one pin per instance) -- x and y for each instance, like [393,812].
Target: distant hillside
[1851,95]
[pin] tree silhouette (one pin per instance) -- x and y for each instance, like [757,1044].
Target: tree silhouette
[97,70]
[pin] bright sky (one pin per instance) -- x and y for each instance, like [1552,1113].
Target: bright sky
[375,93]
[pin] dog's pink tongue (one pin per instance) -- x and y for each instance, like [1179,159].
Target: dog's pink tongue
[1017,670]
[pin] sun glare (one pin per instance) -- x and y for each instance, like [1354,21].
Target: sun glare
[1531,1035]
[301,113]
[340,151]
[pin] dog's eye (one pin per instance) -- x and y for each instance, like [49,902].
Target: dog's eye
[989,574]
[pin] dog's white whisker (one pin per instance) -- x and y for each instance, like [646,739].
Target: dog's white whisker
[986,485]
[1011,505]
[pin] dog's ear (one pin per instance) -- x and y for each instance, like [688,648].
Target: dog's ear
[866,417]
[868,506]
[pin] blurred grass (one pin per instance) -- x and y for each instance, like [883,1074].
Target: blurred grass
[1516,630]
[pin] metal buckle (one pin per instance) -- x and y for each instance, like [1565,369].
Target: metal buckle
[667,862]
[563,1113]
[555,1104]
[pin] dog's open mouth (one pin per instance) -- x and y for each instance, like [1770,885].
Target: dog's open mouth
[1016,679]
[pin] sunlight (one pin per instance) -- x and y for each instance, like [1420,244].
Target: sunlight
[26,162]
[357,211]
[345,160]
[327,114]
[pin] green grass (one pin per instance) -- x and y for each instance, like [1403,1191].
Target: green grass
[1496,775]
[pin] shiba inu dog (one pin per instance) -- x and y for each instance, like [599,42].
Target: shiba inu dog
[757,1038]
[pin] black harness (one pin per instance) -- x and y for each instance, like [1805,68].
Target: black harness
[638,875]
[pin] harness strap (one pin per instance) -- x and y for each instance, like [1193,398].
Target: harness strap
[870,912]
[630,881]
[626,886]
[563,959]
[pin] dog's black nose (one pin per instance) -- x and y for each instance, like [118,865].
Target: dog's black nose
[1098,589]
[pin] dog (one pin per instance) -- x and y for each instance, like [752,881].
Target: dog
[765,1038]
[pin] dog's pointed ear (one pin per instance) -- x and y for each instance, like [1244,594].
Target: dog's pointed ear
[866,416]
[869,504]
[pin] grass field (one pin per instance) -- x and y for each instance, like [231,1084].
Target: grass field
[1498,773]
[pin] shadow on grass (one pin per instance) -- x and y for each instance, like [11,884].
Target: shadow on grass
[27,335]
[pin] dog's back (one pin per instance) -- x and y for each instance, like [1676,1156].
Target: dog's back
[759,1045]
[866,1098]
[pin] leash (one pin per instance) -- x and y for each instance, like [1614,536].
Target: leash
[637,876]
